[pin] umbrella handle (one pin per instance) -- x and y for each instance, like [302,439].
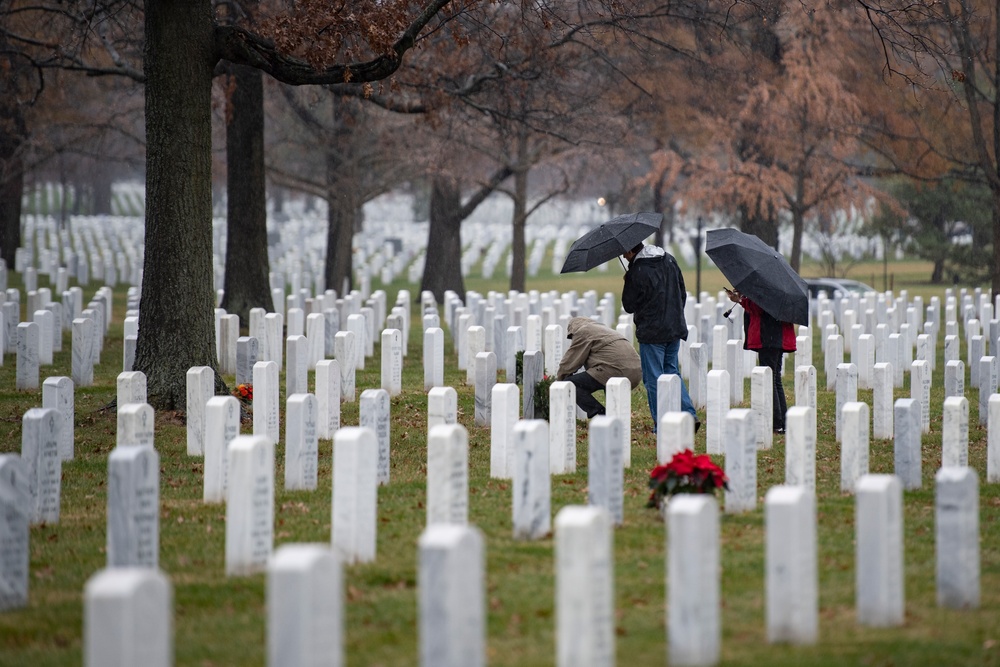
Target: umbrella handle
[622,263]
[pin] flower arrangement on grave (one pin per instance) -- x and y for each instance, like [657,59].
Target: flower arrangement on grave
[244,392]
[685,473]
[542,397]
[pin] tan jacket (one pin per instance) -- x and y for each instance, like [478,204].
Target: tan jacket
[603,352]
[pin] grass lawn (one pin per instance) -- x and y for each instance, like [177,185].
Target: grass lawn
[220,621]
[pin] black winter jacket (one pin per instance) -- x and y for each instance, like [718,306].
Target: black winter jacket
[655,294]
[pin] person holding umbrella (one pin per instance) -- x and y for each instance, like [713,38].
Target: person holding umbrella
[654,293]
[773,295]
[770,339]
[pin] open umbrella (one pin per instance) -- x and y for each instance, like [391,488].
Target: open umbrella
[610,240]
[759,272]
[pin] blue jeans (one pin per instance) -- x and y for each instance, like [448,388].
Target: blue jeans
[661,359]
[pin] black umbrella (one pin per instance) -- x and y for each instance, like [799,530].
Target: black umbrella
[760,273]
[610,240]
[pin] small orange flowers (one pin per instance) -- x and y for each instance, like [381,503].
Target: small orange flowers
[244,392]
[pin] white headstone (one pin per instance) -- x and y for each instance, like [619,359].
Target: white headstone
[907,450]
[800,447]
[305,607]
[585,602]
[451,585]
[392,361]
[882,408]
[485,376]
[131,388]
[674,434]
[854,449]
[847,392]
[434,358]
[741,461]
[605,470]
[955,432]
[715,413]
[27,357]
[374,414]
[265,400]
[618,393]
[301,443]
[562,427]
[297,366]
[694,629]
[133,529]
[448,474]
[879,575]
[345,349]
[15,519]
[532,514]
[57,393]
[761,404]
[442,406]
[956,519]
[128,619]
[503,417]
[792,582]
[249,504]
[136,424]
[222,424]
[355,494]
[327,398]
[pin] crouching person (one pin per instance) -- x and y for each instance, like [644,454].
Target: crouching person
[595,355]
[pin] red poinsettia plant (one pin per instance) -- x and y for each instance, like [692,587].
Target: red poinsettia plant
[685,473]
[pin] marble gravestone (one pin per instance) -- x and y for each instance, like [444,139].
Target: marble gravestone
[956,520]
[57,393]
[327,398]
[442,406]
[305,607]
[451,591]
[907,444]
[15,519]
[741,461]
[955,432]
[42,463]
[503,417]
[249,504]
[200,388]
[301,443]
[532,491]
[791,576]
[485,371]
[222,424]
[562,427]
[694,628]
[355,494]
[265,400]
[128,619]
[135,425]
[585,601]
[374,415]
[392,361]
[27,369]
[133,528]
[448,474]
[879,575]
[605,469]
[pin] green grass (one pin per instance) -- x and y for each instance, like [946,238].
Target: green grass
[220,621]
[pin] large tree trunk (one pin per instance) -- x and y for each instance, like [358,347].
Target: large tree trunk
[177,327]
[517,247]
[341,211]
[13,134]
[246,283]
[798,225]
[995,269]
[443,264]
[763,225]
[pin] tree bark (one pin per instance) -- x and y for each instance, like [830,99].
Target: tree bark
[246,283]
[177,319]
[443,263]
[798,225]
[517,247]
[341,210]
[11,189]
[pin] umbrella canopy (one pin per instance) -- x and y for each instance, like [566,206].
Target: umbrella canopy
[759,272]
[610,240]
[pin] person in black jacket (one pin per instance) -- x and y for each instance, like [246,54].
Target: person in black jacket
[654,293]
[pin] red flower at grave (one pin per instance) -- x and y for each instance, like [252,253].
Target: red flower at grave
[244,392]
[685,473]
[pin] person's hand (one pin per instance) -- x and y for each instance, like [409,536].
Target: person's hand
[733,295]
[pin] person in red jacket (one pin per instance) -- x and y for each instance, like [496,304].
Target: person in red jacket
[770,338]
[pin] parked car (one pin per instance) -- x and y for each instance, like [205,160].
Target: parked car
[833,286]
